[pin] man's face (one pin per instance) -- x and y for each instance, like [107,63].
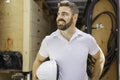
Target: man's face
[64,18]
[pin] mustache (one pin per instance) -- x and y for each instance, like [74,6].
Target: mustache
[61,20]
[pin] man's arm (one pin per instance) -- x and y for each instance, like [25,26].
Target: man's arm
[99,64]
[39,59]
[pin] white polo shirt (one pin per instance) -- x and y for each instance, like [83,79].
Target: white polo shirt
[71,56]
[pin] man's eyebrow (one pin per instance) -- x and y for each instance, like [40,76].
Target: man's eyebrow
[62,12]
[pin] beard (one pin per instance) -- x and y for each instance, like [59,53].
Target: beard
[63,26]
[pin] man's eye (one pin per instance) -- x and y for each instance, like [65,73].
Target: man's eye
[64,14]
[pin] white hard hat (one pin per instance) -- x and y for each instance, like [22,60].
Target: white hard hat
[47,70]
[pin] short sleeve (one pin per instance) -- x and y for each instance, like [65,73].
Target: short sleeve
[93,46]
[43,51]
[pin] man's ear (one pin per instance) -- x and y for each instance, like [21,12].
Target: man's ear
[75,17]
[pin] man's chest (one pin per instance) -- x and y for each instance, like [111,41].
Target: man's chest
[60,50]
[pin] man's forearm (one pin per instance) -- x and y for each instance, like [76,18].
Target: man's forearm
[35,66]
[98,69]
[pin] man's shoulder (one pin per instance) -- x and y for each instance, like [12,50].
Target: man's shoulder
[86,35]
[83,33]
[50,37]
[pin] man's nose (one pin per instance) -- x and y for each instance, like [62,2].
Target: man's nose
[59,16]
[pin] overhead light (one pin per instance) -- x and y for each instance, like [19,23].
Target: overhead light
[7,1]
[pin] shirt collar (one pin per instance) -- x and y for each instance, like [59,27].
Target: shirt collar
[77,33]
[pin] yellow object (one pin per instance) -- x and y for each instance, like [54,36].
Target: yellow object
[102,35]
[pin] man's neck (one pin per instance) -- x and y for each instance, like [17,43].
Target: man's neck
[67,34]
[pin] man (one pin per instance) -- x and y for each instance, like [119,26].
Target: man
[70,47]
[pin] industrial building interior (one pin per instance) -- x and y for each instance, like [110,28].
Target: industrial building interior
[25,23]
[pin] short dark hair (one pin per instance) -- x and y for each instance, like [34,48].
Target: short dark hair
[71,5]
